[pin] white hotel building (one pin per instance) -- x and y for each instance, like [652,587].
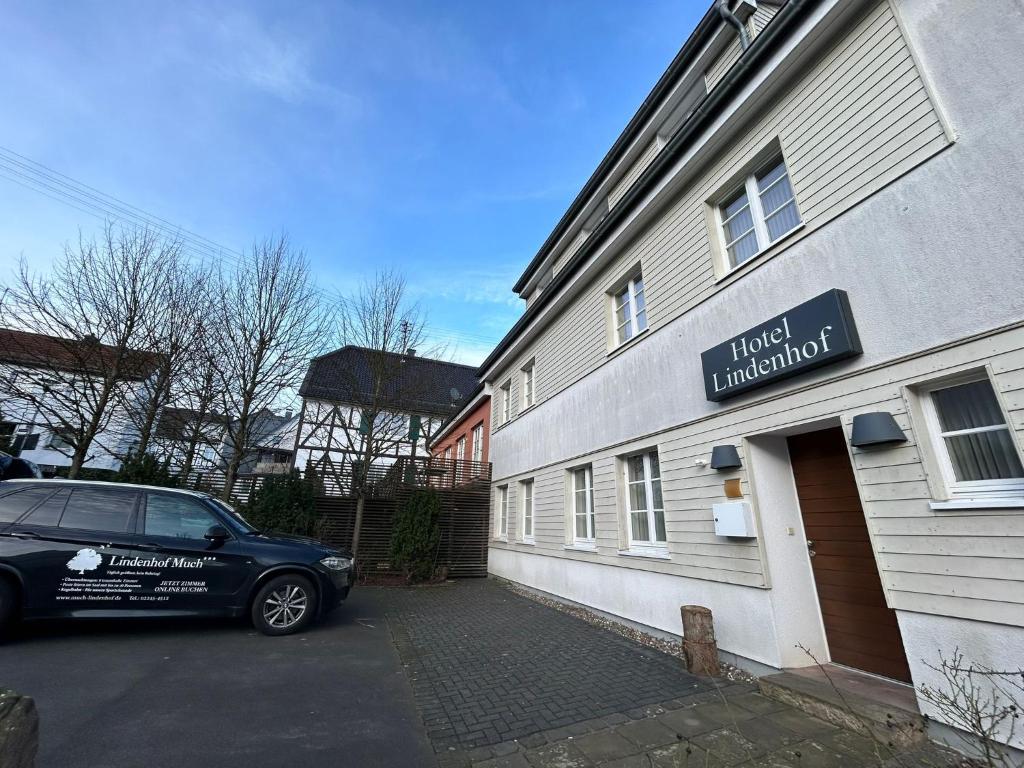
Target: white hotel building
[819,222]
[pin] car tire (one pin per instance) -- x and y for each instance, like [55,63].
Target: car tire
[284,605]
[8,606]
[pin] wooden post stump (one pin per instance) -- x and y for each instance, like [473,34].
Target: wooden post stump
[699,645]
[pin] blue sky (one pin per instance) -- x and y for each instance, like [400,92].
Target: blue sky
[444,139]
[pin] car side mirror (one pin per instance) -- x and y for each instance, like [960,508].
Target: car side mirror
[217,533]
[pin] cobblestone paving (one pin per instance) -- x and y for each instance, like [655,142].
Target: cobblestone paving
[502,681]
[488,665]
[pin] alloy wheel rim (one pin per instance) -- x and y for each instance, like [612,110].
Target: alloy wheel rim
[285,606]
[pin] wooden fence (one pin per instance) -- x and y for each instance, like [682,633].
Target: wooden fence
[463,488]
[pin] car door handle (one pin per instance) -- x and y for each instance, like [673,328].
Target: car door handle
[148,547]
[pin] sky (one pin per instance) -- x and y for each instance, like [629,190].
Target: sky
[441,139]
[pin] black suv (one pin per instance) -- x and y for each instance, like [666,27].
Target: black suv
[90,549]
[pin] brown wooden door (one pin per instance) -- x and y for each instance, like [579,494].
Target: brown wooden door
[861,630]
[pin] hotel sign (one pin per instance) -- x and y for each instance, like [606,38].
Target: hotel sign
[816,333]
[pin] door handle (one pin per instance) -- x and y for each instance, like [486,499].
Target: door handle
[148,547]
[810,548]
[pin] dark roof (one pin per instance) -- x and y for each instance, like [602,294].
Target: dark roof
[72,355]
[173,421]
[410,384]
[704,112]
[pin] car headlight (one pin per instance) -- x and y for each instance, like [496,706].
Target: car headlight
[337,563]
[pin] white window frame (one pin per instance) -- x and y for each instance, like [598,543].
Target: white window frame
[757,214]
[970,489]
[460,449]
[478,442]
[529,386]
[501,514]
[527,511]
[590,540]
[506,401]
[629,287]
[652,546]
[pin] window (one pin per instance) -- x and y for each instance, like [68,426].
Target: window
[526,491]
[506,402]
[761,211]
[501,516]
[583,506]
[478,442]
[92,509]
[630,309]
[528,390]
[643,498]
[62,440]
[48,513]
[975,446]
[460,449]
[448,453]
[14,505]
[177,517]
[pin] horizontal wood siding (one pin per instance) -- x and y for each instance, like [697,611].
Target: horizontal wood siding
[967,563]
[857,120]
[716,71]
[764,13]
[633,172]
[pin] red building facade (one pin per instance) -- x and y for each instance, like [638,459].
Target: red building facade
[468,436]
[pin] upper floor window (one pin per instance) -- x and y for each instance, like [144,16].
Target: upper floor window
[506,402]
[526,491]
[501,514]
[757,214]
[528,386]
[478,442]
[975,445]
[630,309]
[584,525]
[644,503]
[460,449]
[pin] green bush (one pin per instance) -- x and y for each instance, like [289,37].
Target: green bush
[145,469]
[284,504]
[416,535]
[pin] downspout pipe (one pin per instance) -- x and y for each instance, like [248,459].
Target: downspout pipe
[731,18]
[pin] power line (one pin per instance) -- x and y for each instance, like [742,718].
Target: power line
[61,188]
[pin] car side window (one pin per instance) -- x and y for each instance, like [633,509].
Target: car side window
[48,513]
[14,505]
[177,517]
[96,509]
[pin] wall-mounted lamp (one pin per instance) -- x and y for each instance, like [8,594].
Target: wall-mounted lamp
[876,429]
[725,457]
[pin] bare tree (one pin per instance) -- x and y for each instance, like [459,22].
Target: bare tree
[270,322]
[90,309]
[203,425]
[376,393]
[172,325]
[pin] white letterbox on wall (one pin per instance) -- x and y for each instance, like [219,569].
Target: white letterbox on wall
[734,518]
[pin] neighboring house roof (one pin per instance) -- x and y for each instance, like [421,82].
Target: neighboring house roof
[71,355]
[465,406]
[418,384]
[173,422]
[269,430]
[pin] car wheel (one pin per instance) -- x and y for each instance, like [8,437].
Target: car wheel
[8,606]
[284,605]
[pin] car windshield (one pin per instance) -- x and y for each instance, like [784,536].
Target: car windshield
[239,522]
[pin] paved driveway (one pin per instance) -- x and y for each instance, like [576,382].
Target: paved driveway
[202,694]
[456,675]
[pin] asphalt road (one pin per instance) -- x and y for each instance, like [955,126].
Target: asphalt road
[219,694]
